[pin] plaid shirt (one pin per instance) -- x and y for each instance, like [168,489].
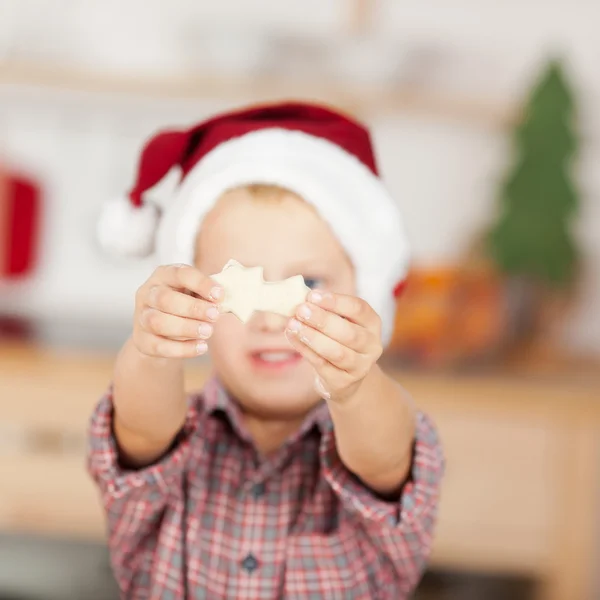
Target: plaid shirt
[214,520]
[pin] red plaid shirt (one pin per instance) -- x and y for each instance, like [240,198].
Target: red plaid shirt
[215,520]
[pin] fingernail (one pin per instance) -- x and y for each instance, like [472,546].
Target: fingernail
[205,330]
[212,313]
[216,293]
[315,297]
[294,325]
[304,311]
[201,347]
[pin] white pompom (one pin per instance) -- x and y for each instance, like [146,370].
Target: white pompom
[128,231]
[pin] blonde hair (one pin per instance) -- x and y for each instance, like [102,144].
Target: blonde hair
[269,192]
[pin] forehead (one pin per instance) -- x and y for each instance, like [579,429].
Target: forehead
[249,224]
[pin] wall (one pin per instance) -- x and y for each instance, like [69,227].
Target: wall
[443,169]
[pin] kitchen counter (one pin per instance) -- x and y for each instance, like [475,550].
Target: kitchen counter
[522,445]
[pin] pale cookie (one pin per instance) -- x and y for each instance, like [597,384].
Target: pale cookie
[247,291]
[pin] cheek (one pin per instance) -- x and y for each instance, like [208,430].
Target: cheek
[349,283]
[227,340]
[343,283]
[347,288]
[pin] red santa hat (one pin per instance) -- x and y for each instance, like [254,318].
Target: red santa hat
[321,155]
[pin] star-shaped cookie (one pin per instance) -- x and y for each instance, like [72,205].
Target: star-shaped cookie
[247,291]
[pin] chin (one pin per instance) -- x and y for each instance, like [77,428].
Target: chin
[278,400]
[272,397]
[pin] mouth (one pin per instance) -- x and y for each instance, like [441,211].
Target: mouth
[275,359]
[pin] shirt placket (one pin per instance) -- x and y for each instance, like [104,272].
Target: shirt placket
[262,522]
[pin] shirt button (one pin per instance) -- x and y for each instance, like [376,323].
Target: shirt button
[250,563]
[258,489]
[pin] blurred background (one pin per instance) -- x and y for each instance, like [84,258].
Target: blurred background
[486,117]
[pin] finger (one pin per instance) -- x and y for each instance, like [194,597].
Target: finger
[173,302]
[185,277]
[171,326]
[154,345]
[352,308]
[345,332]
[320,387]
[333,379]
[327,348]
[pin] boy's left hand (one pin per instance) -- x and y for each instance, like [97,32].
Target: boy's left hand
[341,337]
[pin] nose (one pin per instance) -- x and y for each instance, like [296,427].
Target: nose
[268,322]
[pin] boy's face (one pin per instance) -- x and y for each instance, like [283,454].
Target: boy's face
[286,237]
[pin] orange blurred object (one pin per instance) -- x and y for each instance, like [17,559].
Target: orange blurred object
[449,316]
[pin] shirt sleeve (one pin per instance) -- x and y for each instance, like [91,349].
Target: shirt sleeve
[134,499]
[402,530]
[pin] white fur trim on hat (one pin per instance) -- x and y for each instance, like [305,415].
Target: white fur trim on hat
[346,193]
[127,230]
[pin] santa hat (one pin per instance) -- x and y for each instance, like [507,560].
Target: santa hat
[321,155]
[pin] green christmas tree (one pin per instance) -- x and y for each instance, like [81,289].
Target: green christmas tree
[532,236]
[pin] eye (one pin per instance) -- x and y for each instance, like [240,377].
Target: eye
[313,282]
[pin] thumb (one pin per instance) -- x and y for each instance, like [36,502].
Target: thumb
[320,387]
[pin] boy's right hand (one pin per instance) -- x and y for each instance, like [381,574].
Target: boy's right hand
[174,310]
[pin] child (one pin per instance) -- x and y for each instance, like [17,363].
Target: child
[301,470]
